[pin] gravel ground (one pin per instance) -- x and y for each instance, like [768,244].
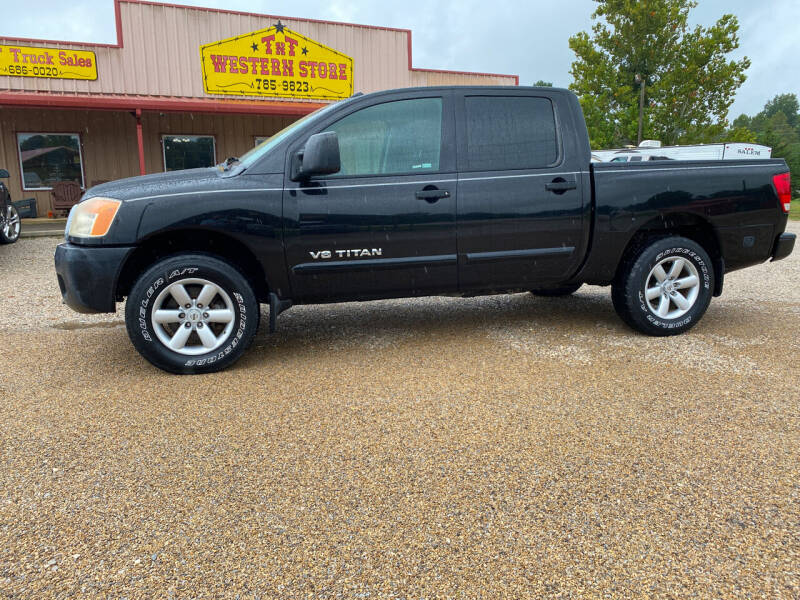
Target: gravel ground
[506,446]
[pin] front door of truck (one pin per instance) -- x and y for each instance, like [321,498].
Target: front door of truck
[521,205]
[384,225]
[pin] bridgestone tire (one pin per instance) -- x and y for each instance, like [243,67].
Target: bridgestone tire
[564,290]
[235,295]
[629,290]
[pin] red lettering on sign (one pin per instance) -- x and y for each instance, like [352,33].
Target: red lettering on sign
[232,64]
[323,70]
[219,63]
[15,52]
[280,48]
[288,67]
[303,69]
[332,71]
[253,60]
[276,66]
[342,71]
[312,65]
[242,64]
[264,66]
[292,43]
[268,43]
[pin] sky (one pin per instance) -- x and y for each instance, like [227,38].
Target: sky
[524,37]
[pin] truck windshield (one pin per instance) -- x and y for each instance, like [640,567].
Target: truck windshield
[250,157]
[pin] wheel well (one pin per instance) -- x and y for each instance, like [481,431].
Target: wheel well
[175,242]
[685,225]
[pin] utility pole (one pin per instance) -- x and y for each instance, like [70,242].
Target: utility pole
[642,81]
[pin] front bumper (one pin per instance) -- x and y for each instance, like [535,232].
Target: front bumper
[783,246]
[87,276]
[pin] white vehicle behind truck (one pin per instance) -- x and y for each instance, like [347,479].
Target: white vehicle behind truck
[652,150]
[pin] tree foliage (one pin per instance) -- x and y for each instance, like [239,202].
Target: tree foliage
[543,83]
[777,126]
[689,81]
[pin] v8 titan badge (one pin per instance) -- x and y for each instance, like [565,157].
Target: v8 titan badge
[276,62]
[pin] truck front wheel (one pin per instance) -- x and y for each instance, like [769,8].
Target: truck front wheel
[665,288]
[192,313]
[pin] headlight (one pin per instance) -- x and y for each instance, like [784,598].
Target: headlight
[93,217]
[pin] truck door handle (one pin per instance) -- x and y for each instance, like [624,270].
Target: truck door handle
[432,194]
[559,185]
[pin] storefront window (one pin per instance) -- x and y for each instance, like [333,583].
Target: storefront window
[47,158]
[188,151]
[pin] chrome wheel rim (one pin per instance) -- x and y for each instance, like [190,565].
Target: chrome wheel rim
[672,287]
[193,316]
[12,225]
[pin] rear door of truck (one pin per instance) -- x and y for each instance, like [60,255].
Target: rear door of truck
[522,215]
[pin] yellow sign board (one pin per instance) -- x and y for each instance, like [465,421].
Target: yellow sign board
[276,62]
[50,63]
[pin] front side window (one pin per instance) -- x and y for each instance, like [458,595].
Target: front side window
[188,151]
[47,158]
[510,132]
[404,136]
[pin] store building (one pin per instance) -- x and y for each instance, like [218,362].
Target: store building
[183,87]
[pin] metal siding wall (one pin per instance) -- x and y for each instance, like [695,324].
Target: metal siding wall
[108,144]
[161,54]
[108,140]
[233,133]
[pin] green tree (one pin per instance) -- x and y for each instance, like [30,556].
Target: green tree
[689,82]
[543,83]
[777,126]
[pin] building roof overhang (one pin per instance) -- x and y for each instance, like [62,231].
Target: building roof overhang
[155,103]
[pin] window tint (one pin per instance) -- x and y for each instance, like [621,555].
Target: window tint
[188,151]
[395,137]
[620,159]
[47,158]
[510,133]
[636,158]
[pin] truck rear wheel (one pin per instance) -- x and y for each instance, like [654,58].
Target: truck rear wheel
[192,313]
[665,288]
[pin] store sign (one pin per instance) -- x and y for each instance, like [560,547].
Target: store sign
[50,63]
[276,62]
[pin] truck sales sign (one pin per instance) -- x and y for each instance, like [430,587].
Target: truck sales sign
[276,62]
[51,63]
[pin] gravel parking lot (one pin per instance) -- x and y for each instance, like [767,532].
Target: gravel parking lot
[505,446]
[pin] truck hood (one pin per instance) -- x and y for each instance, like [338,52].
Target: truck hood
[157,184]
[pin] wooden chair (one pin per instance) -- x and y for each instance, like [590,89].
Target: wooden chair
[65,195]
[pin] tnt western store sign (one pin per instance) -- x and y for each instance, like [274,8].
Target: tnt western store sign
[183,87]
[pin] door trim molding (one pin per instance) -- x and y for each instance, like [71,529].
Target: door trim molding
[511,254]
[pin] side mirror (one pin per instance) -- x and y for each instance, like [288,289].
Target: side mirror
[319,157]
[4,174]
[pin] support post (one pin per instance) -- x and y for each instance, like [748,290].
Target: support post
[140,141]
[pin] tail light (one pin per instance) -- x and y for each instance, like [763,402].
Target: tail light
[783,185]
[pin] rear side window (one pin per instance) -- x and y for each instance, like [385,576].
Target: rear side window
[510,132]
[403,136]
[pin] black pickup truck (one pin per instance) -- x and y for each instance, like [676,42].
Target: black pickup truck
[414,192]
